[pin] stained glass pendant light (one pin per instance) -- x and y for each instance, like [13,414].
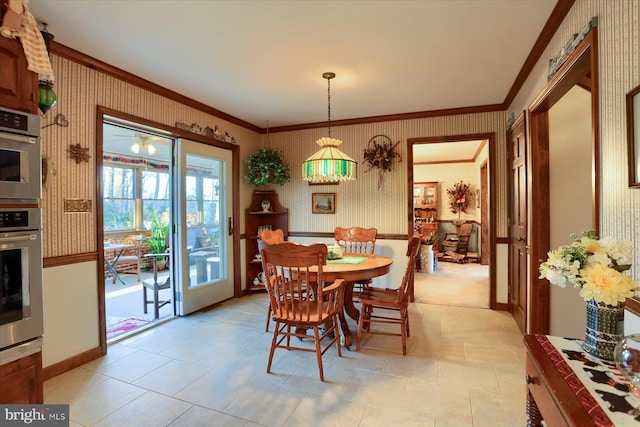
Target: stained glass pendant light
[329,164]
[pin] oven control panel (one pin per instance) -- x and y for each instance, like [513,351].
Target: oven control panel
[14,219]
[19,219]
[13,121]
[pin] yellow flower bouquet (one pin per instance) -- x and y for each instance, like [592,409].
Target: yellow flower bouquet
[594,265]
[597,267]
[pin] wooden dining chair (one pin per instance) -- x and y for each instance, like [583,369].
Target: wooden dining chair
[299,300]
[268,238]
[390,300]
[357,240]
[155,285]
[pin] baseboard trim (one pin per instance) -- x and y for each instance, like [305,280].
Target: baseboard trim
[501,306]
[71,363]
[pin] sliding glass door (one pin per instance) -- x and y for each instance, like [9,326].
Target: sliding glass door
[202,212]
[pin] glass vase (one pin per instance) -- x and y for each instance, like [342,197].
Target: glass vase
[605,327]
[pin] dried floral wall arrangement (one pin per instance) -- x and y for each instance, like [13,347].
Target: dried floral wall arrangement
[379,154]
[79,153]
[460,195]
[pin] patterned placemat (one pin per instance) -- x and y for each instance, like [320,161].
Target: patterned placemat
[598,385]
[348,260]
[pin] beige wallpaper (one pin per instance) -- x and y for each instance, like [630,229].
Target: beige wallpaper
[80,90]
[361,202]
[619,68]
[446,175]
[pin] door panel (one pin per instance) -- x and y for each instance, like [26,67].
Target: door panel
[518,223]
[205,203]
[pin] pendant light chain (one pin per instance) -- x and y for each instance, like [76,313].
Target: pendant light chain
[329,105]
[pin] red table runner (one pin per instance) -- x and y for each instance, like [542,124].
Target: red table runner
[598,385]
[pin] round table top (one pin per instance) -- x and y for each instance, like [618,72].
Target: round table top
[374,266]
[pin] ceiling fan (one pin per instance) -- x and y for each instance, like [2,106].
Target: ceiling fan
[142,142]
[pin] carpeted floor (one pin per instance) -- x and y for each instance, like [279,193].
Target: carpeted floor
[465,285]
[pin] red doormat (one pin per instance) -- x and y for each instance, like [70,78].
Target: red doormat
[125,325]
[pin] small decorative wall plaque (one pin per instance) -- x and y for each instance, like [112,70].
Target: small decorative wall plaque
[77,205]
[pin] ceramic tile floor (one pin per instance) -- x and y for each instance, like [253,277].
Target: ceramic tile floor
[465,367]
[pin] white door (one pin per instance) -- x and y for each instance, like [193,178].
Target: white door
[204,194]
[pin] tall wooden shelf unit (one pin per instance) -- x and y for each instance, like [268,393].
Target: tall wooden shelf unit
[425,208]
[255,217]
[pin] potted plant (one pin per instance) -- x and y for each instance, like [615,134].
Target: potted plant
[157,241]
[266,167]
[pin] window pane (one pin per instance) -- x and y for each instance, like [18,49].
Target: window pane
[155,195]
[155,185]
[118,189]
[191,187]
[118,214]
[192,213]
[161,209]
[210,213]
[118,182]
[210,189]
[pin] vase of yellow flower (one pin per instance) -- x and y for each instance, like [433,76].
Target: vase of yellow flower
[605,327]
[597,267]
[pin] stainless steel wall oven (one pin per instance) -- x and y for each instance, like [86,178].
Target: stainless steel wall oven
[21,293]
[20,155]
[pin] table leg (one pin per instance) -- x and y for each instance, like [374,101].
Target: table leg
[111,266]
[533,413]
[349,306]
[350,309]
[346,332]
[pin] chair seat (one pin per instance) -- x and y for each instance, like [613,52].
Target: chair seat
[381,297]
[163,283]
[311,319]
[127,258]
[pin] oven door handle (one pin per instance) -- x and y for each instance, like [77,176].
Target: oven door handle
[19,138]
[20,238]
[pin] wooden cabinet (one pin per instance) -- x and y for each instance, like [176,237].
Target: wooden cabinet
[425,208]
[18,85]
[275,217]
[21,380]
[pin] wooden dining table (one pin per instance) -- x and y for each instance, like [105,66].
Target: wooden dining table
[375,265]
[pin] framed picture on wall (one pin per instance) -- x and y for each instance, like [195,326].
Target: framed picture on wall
[323,203]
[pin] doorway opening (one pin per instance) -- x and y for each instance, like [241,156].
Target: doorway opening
[136,219]
[547,312]
[165,215]
[449,180]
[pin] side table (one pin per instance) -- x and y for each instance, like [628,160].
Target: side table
[568,387]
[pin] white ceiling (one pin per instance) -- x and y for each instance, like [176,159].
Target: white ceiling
[262,61]
[444,152]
